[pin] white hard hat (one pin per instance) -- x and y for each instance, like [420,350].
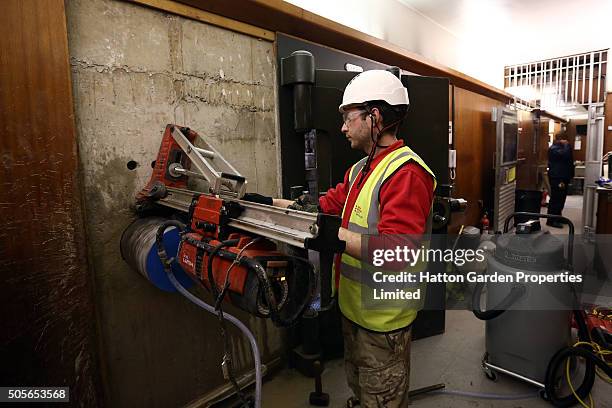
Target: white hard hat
[374,85]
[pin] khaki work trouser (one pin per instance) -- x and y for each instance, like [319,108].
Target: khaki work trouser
[377,365]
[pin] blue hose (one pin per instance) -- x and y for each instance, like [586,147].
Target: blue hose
[235,322]
[507,397]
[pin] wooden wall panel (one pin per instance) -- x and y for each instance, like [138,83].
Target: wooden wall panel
[47,335]
[608,123]
[543,138]
[558,128]
[571,137]
[475,144]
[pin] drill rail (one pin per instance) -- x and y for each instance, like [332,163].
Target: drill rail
[282,224]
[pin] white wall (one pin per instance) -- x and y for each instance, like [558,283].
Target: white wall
[391,21]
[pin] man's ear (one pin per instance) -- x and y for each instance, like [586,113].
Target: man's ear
[375,116]
[372,118]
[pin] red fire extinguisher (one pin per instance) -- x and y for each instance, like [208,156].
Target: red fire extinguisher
[484,223]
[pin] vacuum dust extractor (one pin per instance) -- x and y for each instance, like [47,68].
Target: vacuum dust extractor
[528,324]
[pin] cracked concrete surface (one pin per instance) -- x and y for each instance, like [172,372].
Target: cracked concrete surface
[134,70]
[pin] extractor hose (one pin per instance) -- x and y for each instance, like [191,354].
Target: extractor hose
[235,322]
[199,302]
[591,359]
[515,293]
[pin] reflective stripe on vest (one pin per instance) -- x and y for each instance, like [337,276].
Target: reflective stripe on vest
[364,219]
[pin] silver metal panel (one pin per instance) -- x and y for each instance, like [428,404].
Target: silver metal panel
[593,166]
[504,191]
[555,74]
[504,204]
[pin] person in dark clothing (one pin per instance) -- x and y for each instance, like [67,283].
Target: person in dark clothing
[560,172]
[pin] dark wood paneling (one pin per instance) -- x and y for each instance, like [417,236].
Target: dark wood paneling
[604,209]
[543,138]
[604,212]
[289,19]
[475,144]
[571,137]
[608,123]
[47,335]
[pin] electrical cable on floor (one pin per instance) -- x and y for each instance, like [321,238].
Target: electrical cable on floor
[569,382]
[602,353]
[592,361]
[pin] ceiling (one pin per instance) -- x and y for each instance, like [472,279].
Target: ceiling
[529,30]
[479,37]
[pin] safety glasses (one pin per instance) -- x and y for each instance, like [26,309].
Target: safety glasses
[347,117]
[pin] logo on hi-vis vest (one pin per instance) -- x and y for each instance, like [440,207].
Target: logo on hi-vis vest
[358,211]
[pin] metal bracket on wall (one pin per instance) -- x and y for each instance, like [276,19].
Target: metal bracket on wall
[202,158]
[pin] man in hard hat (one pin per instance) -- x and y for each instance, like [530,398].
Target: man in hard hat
[387,193]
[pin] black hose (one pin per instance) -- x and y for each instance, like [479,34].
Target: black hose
[312,288]
[515,293]
[271,299]
[262,277]
[591,359]
[211,256]
[159,241]
[256,266]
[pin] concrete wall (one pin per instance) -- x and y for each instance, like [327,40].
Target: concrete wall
[134,70]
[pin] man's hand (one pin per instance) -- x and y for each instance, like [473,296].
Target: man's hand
[353,242]
[305,203]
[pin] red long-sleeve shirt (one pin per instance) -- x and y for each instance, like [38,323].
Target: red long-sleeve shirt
[405,197]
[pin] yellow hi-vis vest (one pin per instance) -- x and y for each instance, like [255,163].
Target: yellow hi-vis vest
[381,316]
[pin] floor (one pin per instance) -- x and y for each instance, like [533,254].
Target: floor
[583,258]
[453,358]
[571,210]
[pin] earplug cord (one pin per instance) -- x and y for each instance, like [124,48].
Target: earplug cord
[366,168]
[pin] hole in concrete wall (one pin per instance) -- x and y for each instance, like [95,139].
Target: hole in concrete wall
[132,165]
[153,164]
